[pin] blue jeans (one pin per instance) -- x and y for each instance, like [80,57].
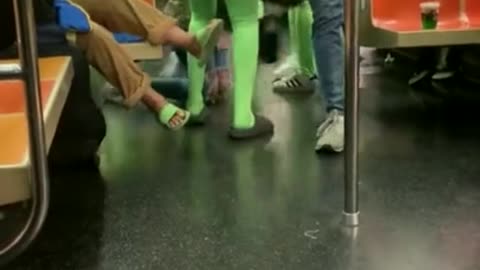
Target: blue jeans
[328,39]
[218,60]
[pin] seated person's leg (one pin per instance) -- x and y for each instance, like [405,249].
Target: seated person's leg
[138,18]
[113,62]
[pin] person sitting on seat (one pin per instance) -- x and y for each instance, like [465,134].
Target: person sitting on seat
[137,18]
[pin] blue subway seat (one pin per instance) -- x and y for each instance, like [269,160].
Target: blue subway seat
[126,38]
[71,18]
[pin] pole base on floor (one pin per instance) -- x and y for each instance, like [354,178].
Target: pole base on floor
[351,220]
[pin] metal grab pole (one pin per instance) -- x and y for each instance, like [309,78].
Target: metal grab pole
[351,209]
[27,44]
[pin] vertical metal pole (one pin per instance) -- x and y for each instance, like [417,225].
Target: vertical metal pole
[351,209]
[27,44]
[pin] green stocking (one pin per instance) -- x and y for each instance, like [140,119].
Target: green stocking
[202,12]
[244,18]
[300,23]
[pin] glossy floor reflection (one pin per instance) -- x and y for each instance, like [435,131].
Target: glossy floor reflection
[195,200]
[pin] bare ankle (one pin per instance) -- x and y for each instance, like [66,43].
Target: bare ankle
[154,100]
[178,37]
[195,48]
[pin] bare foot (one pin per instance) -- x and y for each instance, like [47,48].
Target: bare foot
[157,103]
[177,119]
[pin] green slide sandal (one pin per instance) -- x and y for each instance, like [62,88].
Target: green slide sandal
[208,38]
[168,112]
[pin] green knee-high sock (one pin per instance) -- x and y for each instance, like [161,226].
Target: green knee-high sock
[300,23]
[244,18]
[202,12]
[293,33]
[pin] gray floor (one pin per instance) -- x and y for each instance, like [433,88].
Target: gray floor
[195,200]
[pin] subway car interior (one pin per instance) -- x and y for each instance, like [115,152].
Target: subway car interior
[88,184]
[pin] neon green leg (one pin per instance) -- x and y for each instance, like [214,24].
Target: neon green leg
[300,23]
[244,18]
[202,12]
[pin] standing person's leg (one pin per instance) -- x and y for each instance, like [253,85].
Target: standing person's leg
[222,59]
[300,79]
[301,18]
[202,12]
[290,65]
[221,71]
[211,82]
[245,24]
[328,39]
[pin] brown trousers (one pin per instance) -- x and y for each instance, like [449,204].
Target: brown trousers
[106,55]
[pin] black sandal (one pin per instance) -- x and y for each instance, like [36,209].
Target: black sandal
[199,119]
[263,126]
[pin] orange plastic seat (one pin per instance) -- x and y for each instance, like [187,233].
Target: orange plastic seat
[398,24]
[12,96]
[404,16]
[56,74]
[14,139]
[472,10]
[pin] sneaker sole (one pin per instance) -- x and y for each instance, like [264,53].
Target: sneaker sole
[329,149]
[293,90]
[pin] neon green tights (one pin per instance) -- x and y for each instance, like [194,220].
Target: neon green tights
[300,20]
[244,19]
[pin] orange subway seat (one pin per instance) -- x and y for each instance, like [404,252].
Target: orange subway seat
[13,139]
[12,95]
[400,16]
[473,12]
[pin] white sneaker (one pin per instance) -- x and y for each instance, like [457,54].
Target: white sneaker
[331,133]
[288,68]
[298,83]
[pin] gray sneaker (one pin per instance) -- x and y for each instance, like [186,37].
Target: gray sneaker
[331,133]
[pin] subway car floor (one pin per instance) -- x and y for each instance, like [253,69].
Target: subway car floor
[195,200]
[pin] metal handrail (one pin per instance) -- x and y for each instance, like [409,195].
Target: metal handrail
[27,44]
[351,207]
